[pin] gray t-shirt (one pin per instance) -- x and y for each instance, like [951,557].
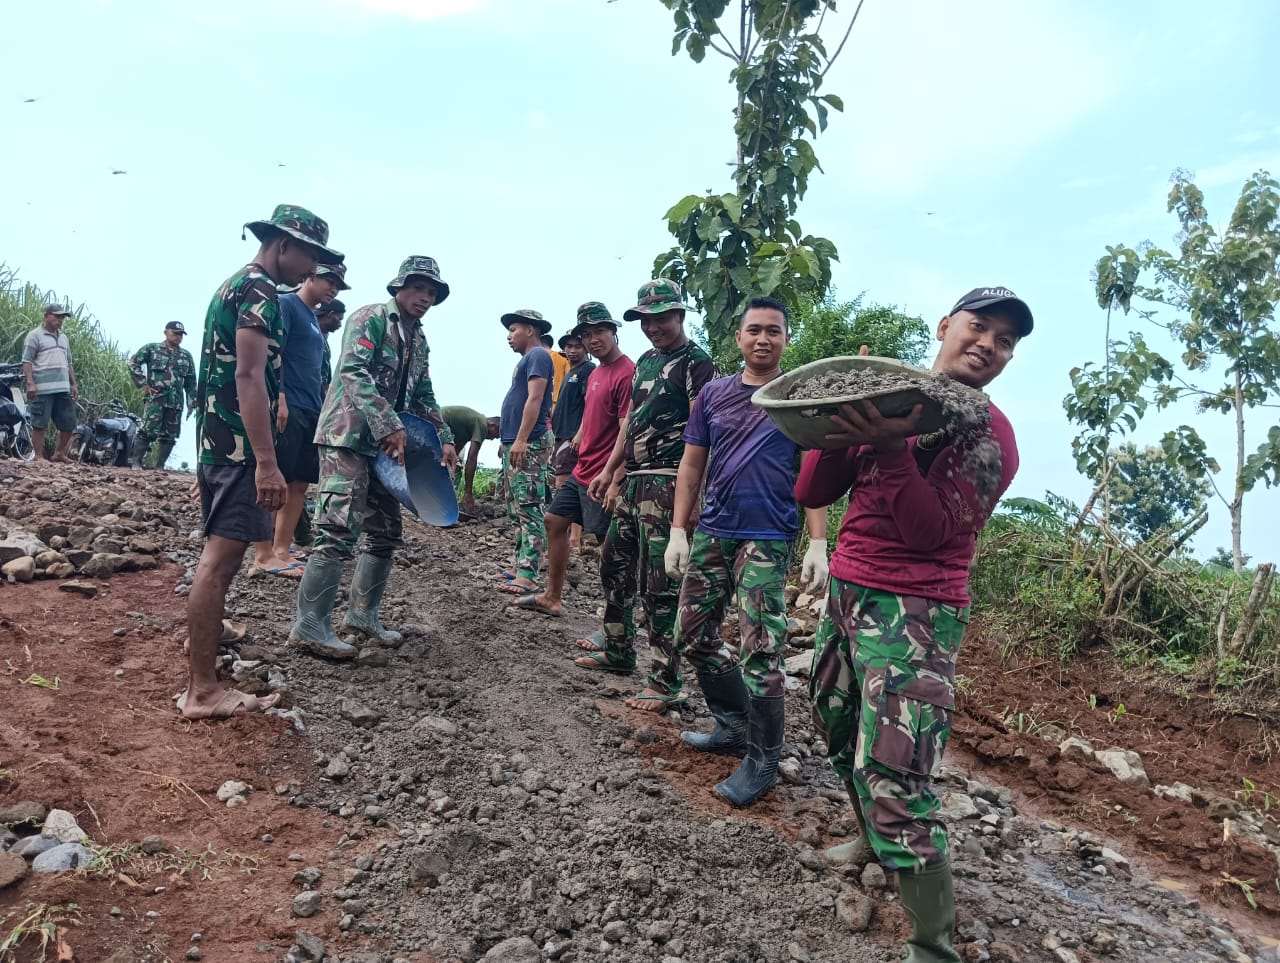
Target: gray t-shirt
[50,358]
[536,364]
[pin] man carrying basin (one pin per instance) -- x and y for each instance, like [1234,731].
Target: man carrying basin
[884,656]
[381,371]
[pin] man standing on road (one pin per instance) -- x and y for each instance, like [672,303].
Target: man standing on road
[170,373]
[239,481]
[884,655]
[51,381]
[639,479]
[382,371]
[473,429]
[566,416]
[301,394]
[526,446]
[608,396]
[742,546]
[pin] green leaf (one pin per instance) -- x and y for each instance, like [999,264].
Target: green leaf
[769,276]
[683,208]
[733,205]
[834,101]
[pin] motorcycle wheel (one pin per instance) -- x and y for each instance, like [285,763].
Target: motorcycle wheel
[23,447]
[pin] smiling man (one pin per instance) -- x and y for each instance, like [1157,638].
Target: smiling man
[884,661]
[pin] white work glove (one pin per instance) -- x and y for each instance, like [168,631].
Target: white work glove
[813,571]
[676,558]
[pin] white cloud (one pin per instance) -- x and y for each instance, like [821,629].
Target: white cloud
[943,89]
[416,9]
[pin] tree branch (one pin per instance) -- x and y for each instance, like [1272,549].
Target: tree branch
[832,59]
[721,51]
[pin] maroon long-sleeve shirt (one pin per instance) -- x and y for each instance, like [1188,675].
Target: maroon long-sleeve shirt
[907,531]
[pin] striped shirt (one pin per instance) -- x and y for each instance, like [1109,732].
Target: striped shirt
[50,359]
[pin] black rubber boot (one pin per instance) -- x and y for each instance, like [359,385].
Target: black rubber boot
[929,900]
[162,453]
[367,586]
[726,696]
[313,627]
[759,770]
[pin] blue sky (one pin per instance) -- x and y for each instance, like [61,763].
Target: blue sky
[532,146]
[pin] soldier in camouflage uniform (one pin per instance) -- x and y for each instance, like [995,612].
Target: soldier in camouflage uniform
[239,481]
[742,546]
[525,431]
[382,371]
[884,656]
[166,372]
[639,480]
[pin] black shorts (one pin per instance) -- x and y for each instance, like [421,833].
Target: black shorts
[296,451]
[229,504]
[56,407]
[573,502]
[564,460]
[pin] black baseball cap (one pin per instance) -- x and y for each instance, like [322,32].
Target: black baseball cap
[333,307]
[980,298]
[175,326]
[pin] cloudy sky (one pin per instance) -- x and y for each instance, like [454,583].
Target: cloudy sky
[532,146]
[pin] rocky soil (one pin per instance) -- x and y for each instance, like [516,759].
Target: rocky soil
[472,795]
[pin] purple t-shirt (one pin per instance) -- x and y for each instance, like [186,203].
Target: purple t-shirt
[751,465]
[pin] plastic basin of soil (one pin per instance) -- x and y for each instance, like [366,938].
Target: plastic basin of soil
[421,484]
[807,421]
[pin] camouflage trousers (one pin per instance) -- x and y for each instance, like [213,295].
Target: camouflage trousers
[351,502]
[883,689]
[631,560]
[160,423]
[756,569]
[526,500]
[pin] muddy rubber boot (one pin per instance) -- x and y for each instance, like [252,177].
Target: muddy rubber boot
[162,453]
[313,627]
[856,852]
[726,696]
[929,900]
[367,586]
[759,770]
[140,445]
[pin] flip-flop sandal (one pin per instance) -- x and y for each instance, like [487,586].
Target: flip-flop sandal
[234,702]
[280,570]
[668,702]
[599,662]
[592,643]
[530,603]
[512,589]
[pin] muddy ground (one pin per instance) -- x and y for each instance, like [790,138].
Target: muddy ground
[472,795]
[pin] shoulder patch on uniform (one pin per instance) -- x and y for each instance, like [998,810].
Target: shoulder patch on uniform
[365,343]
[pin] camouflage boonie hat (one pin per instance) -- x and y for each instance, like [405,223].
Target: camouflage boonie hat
[526,316]
[299,223]
[337,272]
[569,336]
[58,310]
[592,312]
[655,297]
[417,265]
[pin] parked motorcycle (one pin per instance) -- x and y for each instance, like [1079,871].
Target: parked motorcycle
[15,416]
[106,440]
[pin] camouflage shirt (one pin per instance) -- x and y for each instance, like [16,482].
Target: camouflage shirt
[360,408]
[168,370]
[247,299]
[662,390]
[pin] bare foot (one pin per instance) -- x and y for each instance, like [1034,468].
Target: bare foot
[223,704]
[651,700]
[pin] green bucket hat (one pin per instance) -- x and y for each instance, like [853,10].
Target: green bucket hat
[418,265]
[526,316]
[337,272]
[299,223]
[655,297]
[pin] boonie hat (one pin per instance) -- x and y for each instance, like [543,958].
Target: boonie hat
[335,272]
[175,326]
[980,298]
[60,310]
[526,316]
[592,312]
[299,223]
[656,297]
[418,265]
[569,336]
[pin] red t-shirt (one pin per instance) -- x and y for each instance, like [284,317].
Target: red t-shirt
[906,532]
[607,402]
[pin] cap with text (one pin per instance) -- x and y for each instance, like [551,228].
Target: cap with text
[981,298]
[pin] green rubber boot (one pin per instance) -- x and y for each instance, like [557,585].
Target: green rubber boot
[162,453]
[856,852]
[313,627]
[929,900]
[367,586]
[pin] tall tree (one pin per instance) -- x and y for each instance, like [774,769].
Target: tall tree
[829,328]
[747,242]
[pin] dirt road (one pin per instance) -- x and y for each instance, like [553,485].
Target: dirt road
[473,795]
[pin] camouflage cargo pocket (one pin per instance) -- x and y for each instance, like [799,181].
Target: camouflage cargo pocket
[913,719]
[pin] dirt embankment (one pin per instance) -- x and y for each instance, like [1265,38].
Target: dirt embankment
[470,794]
